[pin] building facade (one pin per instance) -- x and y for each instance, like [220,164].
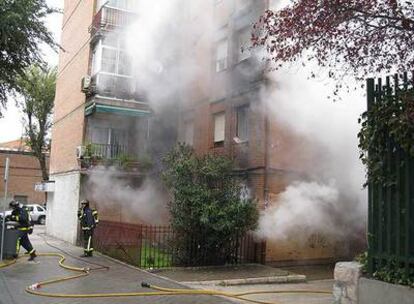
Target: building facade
[227,111]
[102,115]
[97,106]
[24,173]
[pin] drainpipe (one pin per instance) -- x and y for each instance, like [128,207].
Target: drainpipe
[266,172]
[266,153]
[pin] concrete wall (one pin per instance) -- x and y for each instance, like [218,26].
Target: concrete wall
[62,207]
[373,291]
[350,288]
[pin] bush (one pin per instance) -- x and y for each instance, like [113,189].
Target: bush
[207,214]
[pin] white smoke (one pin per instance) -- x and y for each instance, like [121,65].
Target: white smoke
[162,66]
[159,46]
[305,205]
[125,202]
[330,200]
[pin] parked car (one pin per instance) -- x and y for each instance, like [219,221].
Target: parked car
[37,213]
[8,212]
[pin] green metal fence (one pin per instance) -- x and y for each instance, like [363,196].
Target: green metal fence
[156,247]
[391,204]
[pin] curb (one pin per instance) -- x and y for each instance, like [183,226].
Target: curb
[294,278]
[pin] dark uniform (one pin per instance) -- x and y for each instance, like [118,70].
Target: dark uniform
[88,219]
[22,216]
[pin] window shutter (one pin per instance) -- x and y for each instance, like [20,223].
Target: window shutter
[219,124]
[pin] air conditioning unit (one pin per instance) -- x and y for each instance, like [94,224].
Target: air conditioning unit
[86,83]
[80,152]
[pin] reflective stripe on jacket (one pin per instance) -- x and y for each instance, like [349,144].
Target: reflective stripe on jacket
[22,216]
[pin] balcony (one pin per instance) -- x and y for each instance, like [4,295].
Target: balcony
[97,156]
[110,18]
[115,86]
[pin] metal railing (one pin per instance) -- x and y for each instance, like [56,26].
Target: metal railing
[116,86]
[391,204]
[108,151]
[110,17]
[156,247]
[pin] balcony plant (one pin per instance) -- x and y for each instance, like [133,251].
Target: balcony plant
[130,162]
[90,158]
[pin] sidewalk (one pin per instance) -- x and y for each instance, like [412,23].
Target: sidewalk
[224,279]
[119,278]
[123,278]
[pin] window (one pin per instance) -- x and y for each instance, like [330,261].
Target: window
[40,209]
[108,136]
[219,124]
[189,132]
[221,55]
[29,208]
[244,44]
[242,123]
[108,142]
[108,63]
[109,57]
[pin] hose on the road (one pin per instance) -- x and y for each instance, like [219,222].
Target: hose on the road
[159,291]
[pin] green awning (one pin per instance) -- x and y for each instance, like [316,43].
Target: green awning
[103,108]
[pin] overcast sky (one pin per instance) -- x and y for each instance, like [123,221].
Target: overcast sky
[11,125]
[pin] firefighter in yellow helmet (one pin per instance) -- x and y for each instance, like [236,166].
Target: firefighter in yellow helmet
[88,220]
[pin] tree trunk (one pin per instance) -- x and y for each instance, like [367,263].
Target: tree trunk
[43,167]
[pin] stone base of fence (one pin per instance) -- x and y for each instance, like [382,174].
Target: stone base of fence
[346,276]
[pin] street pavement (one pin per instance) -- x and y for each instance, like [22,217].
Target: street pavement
[119,278]
[123,278]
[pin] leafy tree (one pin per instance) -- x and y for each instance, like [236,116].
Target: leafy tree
[357,37]
[207,212]
[22,29]
[37,88]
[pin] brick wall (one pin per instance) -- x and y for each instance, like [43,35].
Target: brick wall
[23,175]
[68,127]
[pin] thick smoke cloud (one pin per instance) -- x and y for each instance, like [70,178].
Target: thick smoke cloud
[162,67]
[330,201]
[124,201]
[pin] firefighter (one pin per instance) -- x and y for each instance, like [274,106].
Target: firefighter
[88,219]
[22,216]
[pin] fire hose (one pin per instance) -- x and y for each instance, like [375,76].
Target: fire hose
[34,289]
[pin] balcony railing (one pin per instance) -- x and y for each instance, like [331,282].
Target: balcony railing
[115,86]
[107,151]
[111,155]
[109,18]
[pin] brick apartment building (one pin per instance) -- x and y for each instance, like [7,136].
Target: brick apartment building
[24,173]
[97,107]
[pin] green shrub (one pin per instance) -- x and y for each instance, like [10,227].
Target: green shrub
[207,213]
